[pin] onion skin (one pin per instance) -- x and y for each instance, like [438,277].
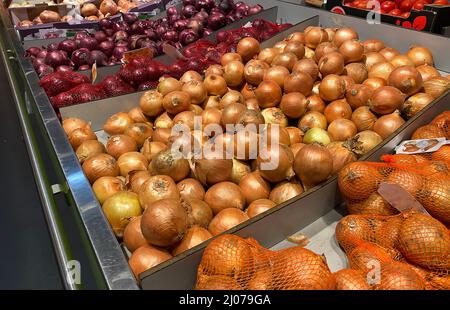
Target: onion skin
[331,88]
[298,82]
[117,123]
[276,74]
[168,85]
[164,222]
[373,58]
[387,124]
[364,141]
[224,195]
[363,118]
[100,165]
[196,90]
[268,94]
[80,135]
[105,187]
[168,163]
[312,119]
[247,48]
[358,95]
[341,129]
[145,258]
[131,161]
[226,219]
[389,53]
[176,102]
[284,191]
[254,71]
[315,103]
[156,188]
[313,164]
[137,115]
[259,206]
[341,156]
[89,148]
[233,73]
[373,45]
[132,235]
[381,70]
[375,83]
[317,135]
[254,187]
[151,103]
[295,135]
[191,189]
[286,59]
[436,86]
[314,36]
[307,66]
[331,63]
[386,100]
[72,123]
[193,237]
[324,49]
[293,104]
[428,72]
[120,144]
[199,212]
[344,34]
[211,171]
[352,50]
[407,79]
[151,148]
[357,71]
[275,163]
[415,103]
[240,169]
[401,60]
[337,109]
[119,208]
[420,56]
[231,113]
[274,116]
[135,179]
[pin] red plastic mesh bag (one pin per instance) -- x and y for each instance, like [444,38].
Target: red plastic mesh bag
[58,82]
[411,250]
[231,262]
[82,93]
[114,86]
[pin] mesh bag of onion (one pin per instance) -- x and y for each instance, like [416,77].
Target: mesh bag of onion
[233,263]
[59,81]
[410,250]
[427,181]
[82,93]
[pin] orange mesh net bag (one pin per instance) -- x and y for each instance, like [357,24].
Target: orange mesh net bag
[233,263]
[410,250]
[428,181]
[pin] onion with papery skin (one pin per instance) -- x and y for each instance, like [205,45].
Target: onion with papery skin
[314,36]
[191,75]
[375,83]
[364,141]
[387,124]
[276,74]
[119,209]
[151,103]
[332,87]
[131,161]
[199,212]
[193,237]
[158,187]
[211,116]
[323,49]
[267,55]
[358,95]
[436,86]
[170,163]
[215,85]
[168,85]
[315,103]
[386,100]
[120,144]
[245,144]
[313,164]
[139,132]
[233,73]
[381,70]
[274,116]
[240,169]
[298,82]
[247,48]
[137,115]
[145,258]
[72,123]
[176,102]
[356,71]
[212,171]
[259,206]
[407,79]
[373,45]
[117,123]
[307,66]
[254,71]
[100,165]
[80,135]
[254,187]
[48,16]
[337,109]
[352,50]
[296,147]
[252,118]
[268,94]
[151,148]
[214,69]
[231,113]
[226,219]
[389,53]
[229,57]
[275,163]
[284,191]
[415,103]
[341,156]
[295,47]
[185,119]
[164,222]
[105,187]
[286,59]
[271,136]
[132,235]
[312,119]
[231,96]
[372,58]
[316,135]
[363,118]
[293,104]
[344,34]
[164,120]
[401,60]
[341,129]
[191,189]
[89,148]
[108,7]
[224,195]
[428,72]
[295,134]
[196,90]
[420,56]
[136,178]
[331,63]
[89,9]
[429,131]
[279,46]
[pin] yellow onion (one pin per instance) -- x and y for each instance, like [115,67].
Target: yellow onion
[196,90]
[211,171]
[226,219]
[267,55]
[240,169]
[139,132]
[314,36]
[254,187]
[164,120]
[284,191]
[332,87]
[312,119]
[157,187]
[415,103]
[191,189]
[231,113]
[119,209]
[436,86]
[387,124]
[389,53]
[233,73]
[199,212]
[308,66]
[151,148]
[275,163]
[80,135]
[337,109]
[341,129]
[100,165]
[117,123]
[344,34]
[136,178]
[170,163]
[420,55]
[313,164]
[373,45]
[427,72]
[191,75]
[137,115]
[386,100]
[352,50]
[231,96]
[120,144]
[363,118]
[193,237]
[105,187]
[131,161]
[364,141]
[132,235]
[167,85]
[274,116]
[72,123]
[358,95]
[372,58]
[268,94]
[89,148]
[407,79]
[341,155]
[151,103]
[298,82]
[401,60]
[316,135]
[259,206]
[146,257]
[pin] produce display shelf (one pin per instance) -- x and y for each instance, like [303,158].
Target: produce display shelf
[313,212]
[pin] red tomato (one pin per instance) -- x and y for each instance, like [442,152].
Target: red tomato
[405,14]
[362,5]
[418,5]
[428,1]
[395,12]
[406,5]
[441,2]
[387,6]
[397,2]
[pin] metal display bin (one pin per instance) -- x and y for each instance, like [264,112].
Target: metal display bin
[314,212]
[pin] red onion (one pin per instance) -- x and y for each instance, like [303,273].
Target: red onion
[106,47]
[120,35]
[80,57]
[255,9]
[64,68]
[119,50]
[188,11]
[88,42]
[100,36]
[55,59]
[188,36]
[129,18]
[33,51]
[68,46]
[105,23]
[52,47]
[216,21]
[97,57]
[171,35]
[43,70]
